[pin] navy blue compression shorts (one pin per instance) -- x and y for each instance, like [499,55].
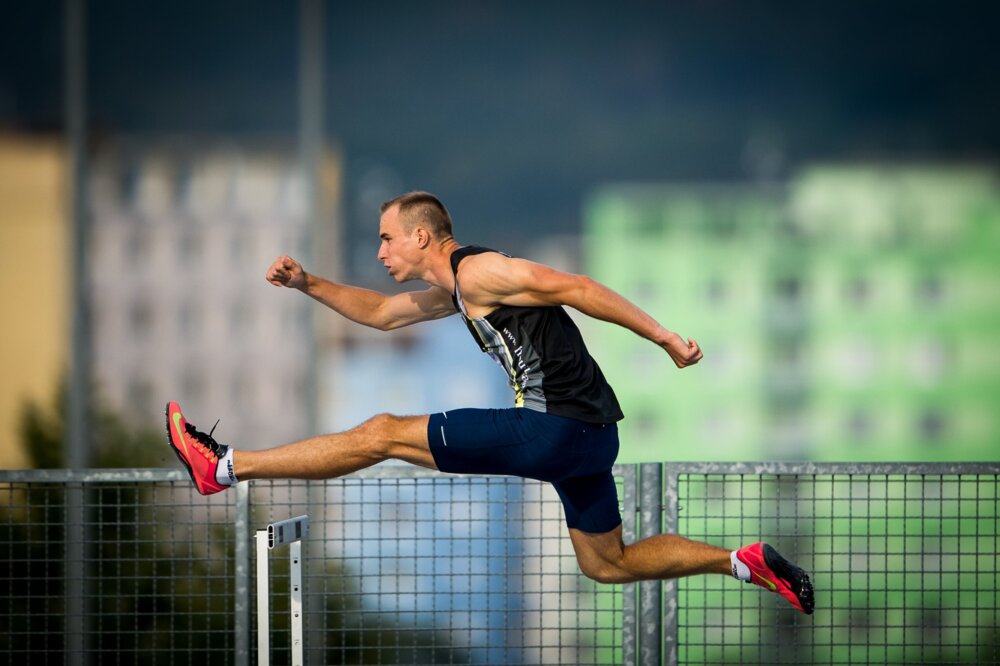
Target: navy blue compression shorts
[575,457]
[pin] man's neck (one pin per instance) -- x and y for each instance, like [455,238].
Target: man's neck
[439,273]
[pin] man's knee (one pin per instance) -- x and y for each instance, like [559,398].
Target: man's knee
[381,425]
[604,572]
[601,556]
[379,434]
[604,566]
[391,436]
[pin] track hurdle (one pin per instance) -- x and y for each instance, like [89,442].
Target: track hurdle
[286,532]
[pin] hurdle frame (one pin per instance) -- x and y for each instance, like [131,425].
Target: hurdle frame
[266,540]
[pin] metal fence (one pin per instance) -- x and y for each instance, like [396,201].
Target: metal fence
[405,566]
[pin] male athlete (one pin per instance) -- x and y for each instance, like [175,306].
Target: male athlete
[562,428]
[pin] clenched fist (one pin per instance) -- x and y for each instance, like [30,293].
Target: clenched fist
[683,353]
[286,272]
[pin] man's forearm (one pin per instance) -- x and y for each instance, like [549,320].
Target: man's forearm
[363,306]
[602,302]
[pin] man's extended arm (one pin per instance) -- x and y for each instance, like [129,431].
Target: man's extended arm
[518,282]
[360,305]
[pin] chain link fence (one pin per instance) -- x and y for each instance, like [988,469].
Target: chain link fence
[407,566]
[904,559]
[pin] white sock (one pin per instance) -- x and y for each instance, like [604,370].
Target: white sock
[740,570]
[224,474]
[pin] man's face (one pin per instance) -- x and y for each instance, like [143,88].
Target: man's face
[399,251]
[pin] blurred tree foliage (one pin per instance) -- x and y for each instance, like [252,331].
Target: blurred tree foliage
[113,442]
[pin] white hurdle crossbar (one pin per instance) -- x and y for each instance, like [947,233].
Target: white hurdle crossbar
[290,532]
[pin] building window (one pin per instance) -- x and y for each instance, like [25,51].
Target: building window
[242,319]
[241,244]
[645,426]
[129,184]
[860,426]
[189,248]
[242,390]
[931,426]
[140,395]
[188,324]
[715,291]
[645,292]
[930,291]
[141,319]
[183,184]
[858,292]
[192,385]
[788,290]
[137,247]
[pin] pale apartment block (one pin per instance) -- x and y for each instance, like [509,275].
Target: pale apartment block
[181,241]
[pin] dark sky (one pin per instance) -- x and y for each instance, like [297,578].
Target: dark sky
[512,111]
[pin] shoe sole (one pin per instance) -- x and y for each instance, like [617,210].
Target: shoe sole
[170,442]
[796,577]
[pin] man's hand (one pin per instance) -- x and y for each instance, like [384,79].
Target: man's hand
[286,272]
[683,353]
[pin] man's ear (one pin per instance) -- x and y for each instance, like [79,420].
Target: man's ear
[423,238]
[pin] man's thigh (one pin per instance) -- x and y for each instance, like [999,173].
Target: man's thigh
[476,441]
[407,438]
[590,503]
[514,441]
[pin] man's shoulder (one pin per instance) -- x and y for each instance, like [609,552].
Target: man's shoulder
[475,252]
[477,257]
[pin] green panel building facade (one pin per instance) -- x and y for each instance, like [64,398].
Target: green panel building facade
[852,314]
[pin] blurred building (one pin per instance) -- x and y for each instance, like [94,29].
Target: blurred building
[182,234]
[34,250]
[852,315]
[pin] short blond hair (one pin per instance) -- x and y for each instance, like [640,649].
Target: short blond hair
[422,208]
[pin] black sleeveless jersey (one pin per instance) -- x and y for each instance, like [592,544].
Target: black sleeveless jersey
[542,351]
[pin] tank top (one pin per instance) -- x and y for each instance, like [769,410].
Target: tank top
[541,350]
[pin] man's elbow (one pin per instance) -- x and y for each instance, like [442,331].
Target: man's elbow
[386,323]
[586,288]
[380,320]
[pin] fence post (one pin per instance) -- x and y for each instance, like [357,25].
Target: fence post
[75,572]
[650,523]
[242,591]
[630,637]
[670,526]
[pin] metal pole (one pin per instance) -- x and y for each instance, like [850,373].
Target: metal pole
[310,153]
[670,526]
[263,601]
[311,150]
[650,524]
[630,637]
[77,430]
[242,584]
[295,582]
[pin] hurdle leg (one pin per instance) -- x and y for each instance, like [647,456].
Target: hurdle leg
[263,603]
[295,573]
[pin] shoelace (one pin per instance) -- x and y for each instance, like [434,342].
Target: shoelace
[206,440]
